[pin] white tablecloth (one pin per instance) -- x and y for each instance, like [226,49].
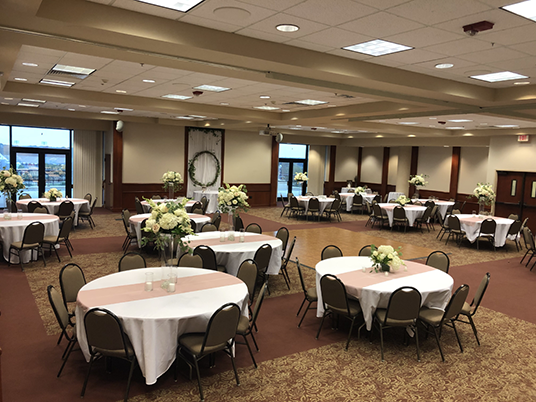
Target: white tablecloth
[212,197]
[349,199]
[374,289]
[12,230]
[412,212]
[324,202]
[442,206]
[147,207]
[53,207]
[136,220]
[232,254]
[393,195]
[154,324]
[471,225]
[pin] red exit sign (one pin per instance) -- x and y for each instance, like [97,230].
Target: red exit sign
[523,138]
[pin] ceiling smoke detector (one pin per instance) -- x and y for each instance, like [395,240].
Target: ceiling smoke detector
[473,29]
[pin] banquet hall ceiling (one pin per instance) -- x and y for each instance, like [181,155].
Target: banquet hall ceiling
[141,53]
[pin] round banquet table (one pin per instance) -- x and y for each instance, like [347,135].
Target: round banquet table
[154,320]
[470,224]
[442,206]
[350,199]
[212,197]
[147,207]
[374,289]
[324,202]
[412,211]
[232,253]
[54,206]
[136,220]
[12,230]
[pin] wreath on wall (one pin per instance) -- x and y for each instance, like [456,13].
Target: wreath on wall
[191,169]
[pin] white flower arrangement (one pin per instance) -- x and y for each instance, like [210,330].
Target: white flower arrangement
[418,180]
[166,219]
[301,177]
[53,194]
[171,178]
[360,189]
[10,182]
[484,193]
[386,258]
[403,200]
[232,198]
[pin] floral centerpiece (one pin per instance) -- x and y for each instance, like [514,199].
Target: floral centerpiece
[484,194]
[53,194]
[10,182]
[403,200]
[418,180]
[386,258]
[172,182]
[360,189]
[301,177]
[232,198]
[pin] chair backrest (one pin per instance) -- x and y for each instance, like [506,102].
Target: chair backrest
[309,194]
[71,280]
[429,202]
[258,304]
[190,260]
[25,196]
[209,227]
[294,202]
[335,205]
[366,251]
[104,332]
[488,226]
[377,198]
[399,213]
[88,197]
[454,223]
[34,233]
[32,205]
[254,228]
[514,228]
[404,304]
[438,259]
[513,216]
[197,208]
[529,239]
[458,212]
[204,203]
[330,251]
[40,210]
[334,294]
[427,213]
[139,207]
[193,225]
[93,205]
[66,228]
[247,272]
[65,208]
[216,219]
[262,257]
[314,204]
[301,276]
[221,326]
[283,235]
[125,214]
[156,197]
[290,249]
[357,199]
[208,256]
[456,302]
[525,222]
[132,260]
[377,210]
[58,306]
[237,223]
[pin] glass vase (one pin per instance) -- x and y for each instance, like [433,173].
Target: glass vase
[171,190]
[230,220]
[481,207]
[168,252]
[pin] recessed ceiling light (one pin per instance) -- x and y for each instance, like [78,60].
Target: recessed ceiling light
[211,88]
[522,83]
[33,100]
[483,124]
[196,116]
[337,132]
[149,81]
[294,118]
[120,91]
[123,109]
[408,122]
[109,112]
[20,79]
[56,82]
[497,77]
[287,27]
[432,118]
[297,125]
[444,65]
[379,136]
[72,69]
[377,47]
[248,122]
[265,107]
[330,105]
[28,104]
[224,103]
[467,135]
[71,110]
[8,98]
[294,128]
[207,124]
[350,136]
[82,105]
[264,96]
[4,103]
[525,9]
[411,135]
[362,131]
[185,117]
[403,108]
[506,126]
[310,102]
[460,121]
[454,128]
[445,146]
[285,110]
[431,125]
[30,64]
[183,5]
[178,97]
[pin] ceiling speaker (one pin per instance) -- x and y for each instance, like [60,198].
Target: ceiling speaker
[278,137]
[119,126]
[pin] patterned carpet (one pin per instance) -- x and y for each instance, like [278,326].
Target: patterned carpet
[502,369]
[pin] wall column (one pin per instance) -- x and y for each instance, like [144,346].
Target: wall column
[117,170]
[454,172]
[404,167]
[273,172]
[385,170]
[413,167]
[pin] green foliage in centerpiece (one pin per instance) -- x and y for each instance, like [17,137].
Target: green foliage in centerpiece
[484,193]
[386,258]
[172,179]
[403,200]
[10,182]
[233,198]
[53,194]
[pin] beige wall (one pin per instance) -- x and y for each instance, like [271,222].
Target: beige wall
[371,165]
[151,150]
[247,157]
[317,169]
[436,162]
[403,169]
[505,153]
[88,161]
[393,165]
[473,168]
[346,163]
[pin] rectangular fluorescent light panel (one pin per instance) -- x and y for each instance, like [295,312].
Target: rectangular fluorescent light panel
[178,97]
[33,100]
[460,121]
[377,47]
[72,70]
[506,125]
[109,112]
[28,104]
[184,5]
[525,9]
[265,107]
[310,102]
[211,88]
[497,77]
[56,82]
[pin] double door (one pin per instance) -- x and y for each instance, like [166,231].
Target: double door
[285,177]
[516,194]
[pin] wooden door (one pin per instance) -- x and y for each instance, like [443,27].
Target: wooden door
[107,182]
[510,188]
[529,200]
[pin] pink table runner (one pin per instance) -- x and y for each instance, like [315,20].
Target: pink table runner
[217,242]
[405,206]
[477,219]
[125,293]
[355,281]
[29,217]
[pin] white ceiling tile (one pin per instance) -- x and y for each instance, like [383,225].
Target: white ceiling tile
[435,11]
[350,55]
[411,56]
[381,24]
[336,38]
[527,47]
[497,53]
[517,64]
[430,65]
[278,5]
[254,33]
[309,45]
[501,19]
[268,26]
[423,37]
[460,46]
[382,4]
[330,12]
[511,36]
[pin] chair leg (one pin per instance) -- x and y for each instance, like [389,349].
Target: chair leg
[305,312]
[198,379]
[350,333]
[87,375]
[303,302]
[381,340]
[254,341]
[474,328]
[234,366]
[321,323]
[457,337]
[69,349]
[132,365]
[417,343]
[250,352]
[68,249]
[438,344]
